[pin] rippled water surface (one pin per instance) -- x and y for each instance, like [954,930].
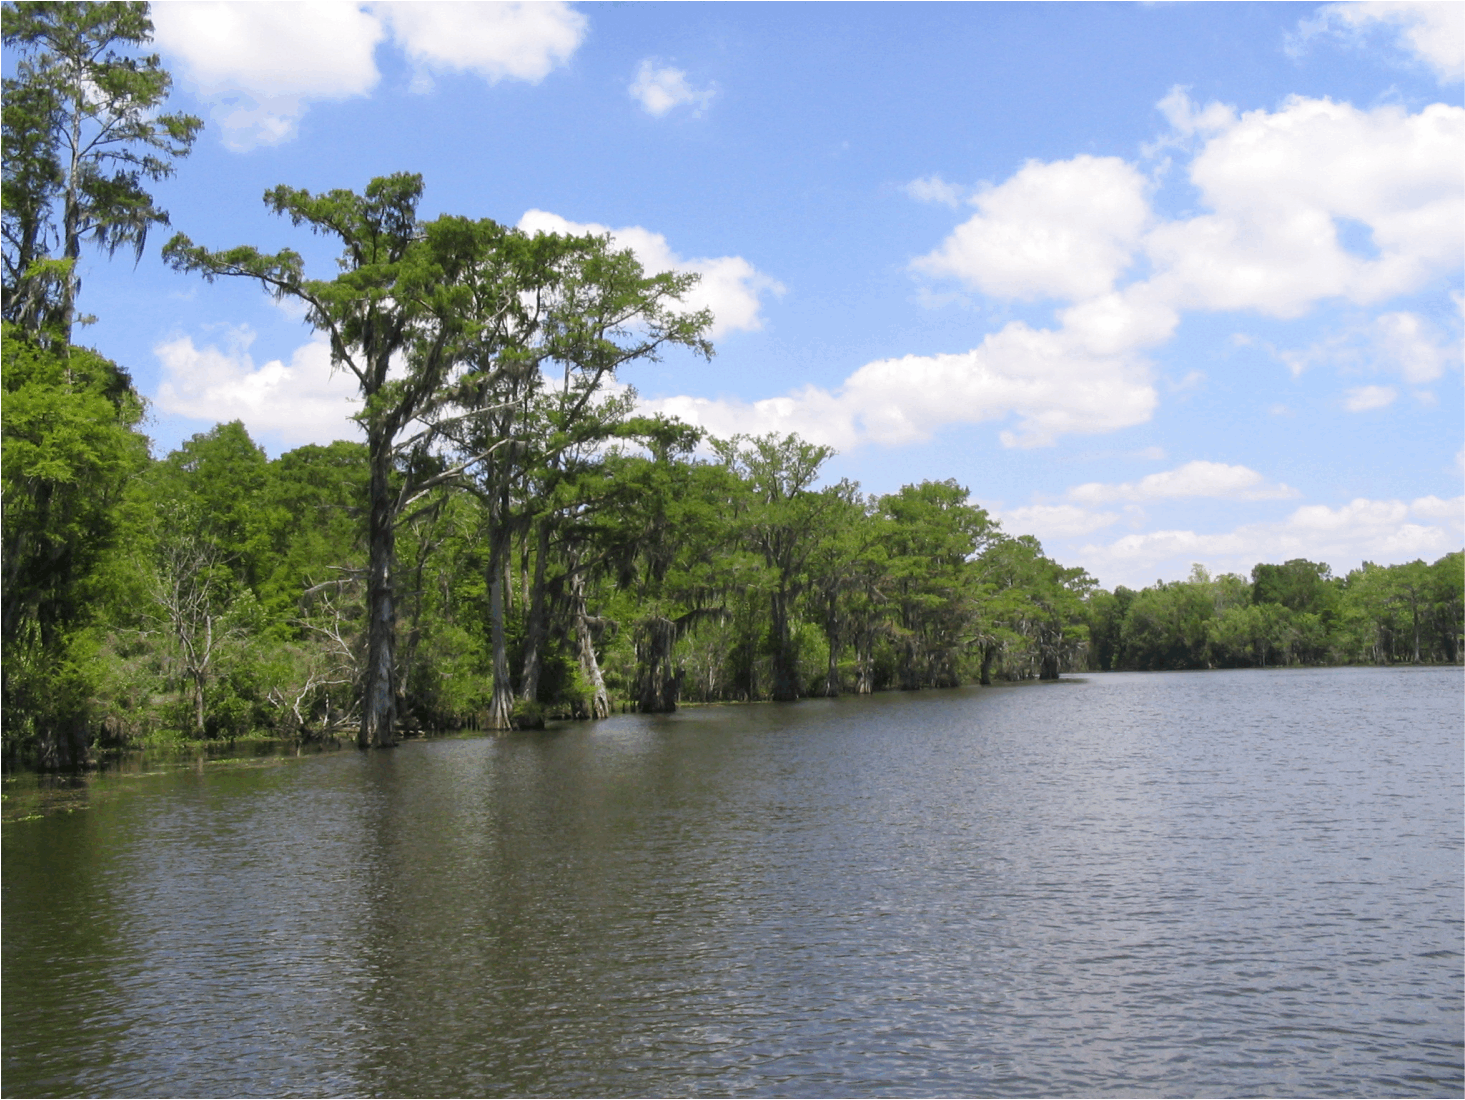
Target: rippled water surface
[1227,883]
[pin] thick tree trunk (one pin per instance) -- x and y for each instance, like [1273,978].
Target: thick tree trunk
[536,626]
[988,652]
[910,677]
[379,697]
[785,674]
[500,707]
[864,658]
[598,705]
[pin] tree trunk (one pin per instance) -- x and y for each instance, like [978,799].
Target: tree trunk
[379,699]
[988,651]
[785,674]
[831,675]
[536,626]
[500,707]
[864,658]
[910,679]
[71,226]
[598,705]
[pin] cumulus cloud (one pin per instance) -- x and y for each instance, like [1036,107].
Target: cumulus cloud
[1382,531]
[1365,398]
[504,41]
[301,402]
[1051,521]
[1282,184]
[1053,382]
[730,286]
[1429,30]
[659,88]
[1065,230]
[260,64]
[1195,479]
[1185,119]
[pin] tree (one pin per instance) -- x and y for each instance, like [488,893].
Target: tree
[70,446]
[785,524]
[531,406]
[472,311]
[83,136]
[405,293]
[931,536]
[195,592]
[668,545]
[604,311]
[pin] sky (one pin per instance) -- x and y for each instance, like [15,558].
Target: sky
[1160,284]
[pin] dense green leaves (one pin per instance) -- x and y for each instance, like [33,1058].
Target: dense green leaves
[70,448]
[83,138]
[1293,613]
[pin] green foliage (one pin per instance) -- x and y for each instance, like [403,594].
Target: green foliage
[1294,613]
[70,447]
[83,138]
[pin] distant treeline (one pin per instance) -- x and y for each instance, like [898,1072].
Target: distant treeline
[1296,613]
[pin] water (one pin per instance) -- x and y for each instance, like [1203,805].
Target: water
[1226,883]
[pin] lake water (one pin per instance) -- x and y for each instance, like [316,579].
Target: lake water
[1209,884]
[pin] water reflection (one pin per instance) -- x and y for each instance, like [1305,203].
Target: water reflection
[1223,883]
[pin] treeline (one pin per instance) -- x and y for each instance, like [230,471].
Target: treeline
[214,592]
[1296,613]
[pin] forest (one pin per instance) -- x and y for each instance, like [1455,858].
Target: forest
[510,541]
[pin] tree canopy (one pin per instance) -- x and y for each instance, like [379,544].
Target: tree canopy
[84,136]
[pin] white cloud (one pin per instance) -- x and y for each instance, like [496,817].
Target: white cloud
[1281,183]
[1194,479]
[659,88]
[1364,398]
[1399,341]
[1054,382]
[1404,341]
[730,286]
[1382,531]
[1432,507]
[1062,230]
[259,64]
[301,402]
[1432,30]
[1183,117]
[937,190]
[497,41]
[1050,521]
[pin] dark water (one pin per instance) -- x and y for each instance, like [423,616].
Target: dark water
[1230,884]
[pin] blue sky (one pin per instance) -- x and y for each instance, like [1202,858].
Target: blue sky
[1160,284]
